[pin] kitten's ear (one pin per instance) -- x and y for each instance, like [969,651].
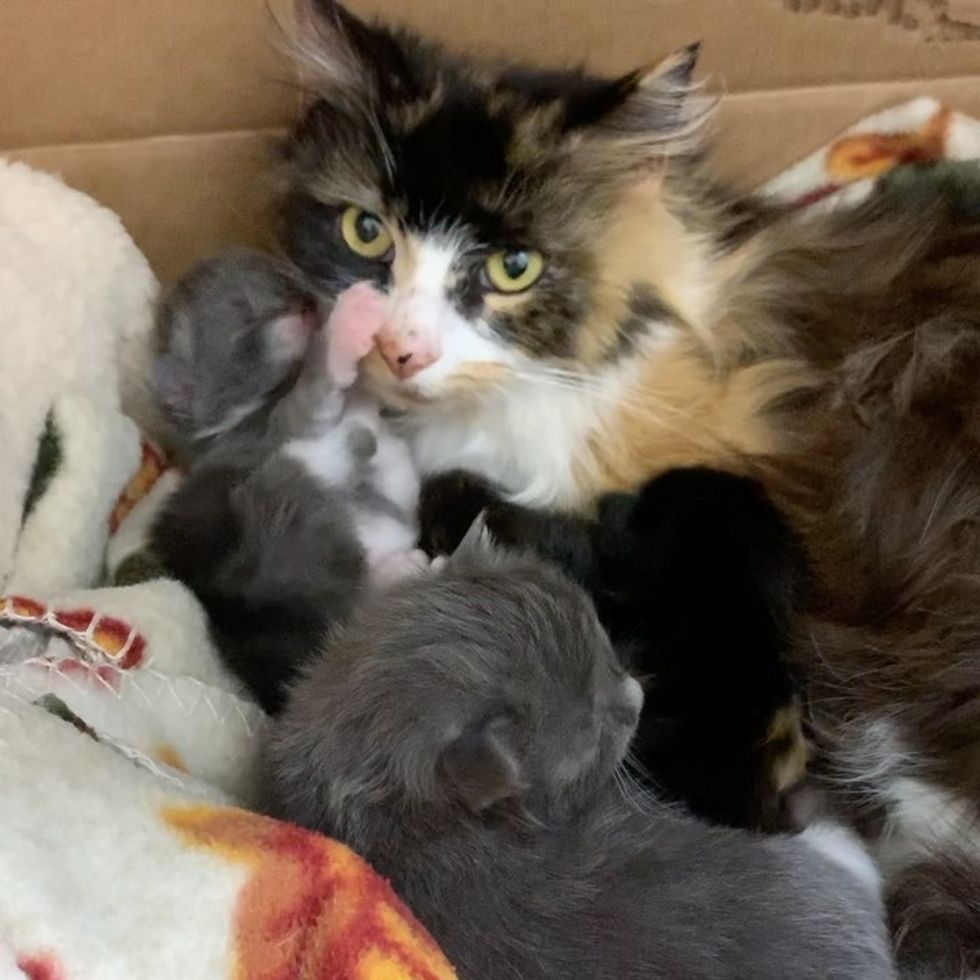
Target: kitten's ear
[348,61]
[661,111]
[173,388]
[481,767]
[478,541]
[290,335]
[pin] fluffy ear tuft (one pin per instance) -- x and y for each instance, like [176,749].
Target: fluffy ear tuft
[661,113]
[481,767]
[347,61]
[326,46]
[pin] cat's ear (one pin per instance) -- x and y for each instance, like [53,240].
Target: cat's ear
[347,61]
[481,767]
[660,111]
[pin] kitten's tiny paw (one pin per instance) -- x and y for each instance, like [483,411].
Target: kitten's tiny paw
[352,326]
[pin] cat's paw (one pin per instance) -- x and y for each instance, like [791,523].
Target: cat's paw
[352,326]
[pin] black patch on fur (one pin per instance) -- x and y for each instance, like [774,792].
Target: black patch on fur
[646,306]
[440,164]
[585,99]
[311,238]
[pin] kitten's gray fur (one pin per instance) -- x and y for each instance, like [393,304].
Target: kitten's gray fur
[462,733]
[271,540]
[240,365]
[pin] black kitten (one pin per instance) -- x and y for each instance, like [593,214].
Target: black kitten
[463,733]
[697,579]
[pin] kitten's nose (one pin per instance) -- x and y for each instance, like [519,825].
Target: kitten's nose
[406,351]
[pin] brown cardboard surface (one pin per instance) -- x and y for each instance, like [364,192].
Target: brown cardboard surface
[76,70]
[181,197]
[184,197]
[749,44]
[165,109]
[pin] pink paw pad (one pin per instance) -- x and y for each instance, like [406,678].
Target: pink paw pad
[357,316]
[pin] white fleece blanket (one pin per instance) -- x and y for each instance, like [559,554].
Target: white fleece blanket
[123,741]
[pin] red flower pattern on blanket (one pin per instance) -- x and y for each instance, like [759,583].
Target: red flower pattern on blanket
[311,909]
[41,967]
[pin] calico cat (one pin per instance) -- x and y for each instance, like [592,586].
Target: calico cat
[573,305]
[699,583]
[463,733]
[298,496]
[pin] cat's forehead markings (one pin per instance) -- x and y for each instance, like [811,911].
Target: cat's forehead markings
[426,262]
[534,128]
[412,114]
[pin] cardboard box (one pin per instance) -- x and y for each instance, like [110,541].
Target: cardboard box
[169,111]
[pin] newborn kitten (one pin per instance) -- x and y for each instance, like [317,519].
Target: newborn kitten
[463,733]
[698,581]
[298,492]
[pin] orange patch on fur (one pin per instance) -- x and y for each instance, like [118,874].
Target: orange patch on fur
[792,756]
[643,244]
[678,411]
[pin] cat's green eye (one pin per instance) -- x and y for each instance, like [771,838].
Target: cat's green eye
[365,233]
[514,270]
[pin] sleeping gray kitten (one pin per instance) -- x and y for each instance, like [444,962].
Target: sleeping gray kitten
[298,495]
[464,733]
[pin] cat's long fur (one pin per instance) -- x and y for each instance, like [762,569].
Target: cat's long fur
[674,325]
[461,733]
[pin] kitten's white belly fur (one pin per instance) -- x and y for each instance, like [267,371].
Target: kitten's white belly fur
[326,454]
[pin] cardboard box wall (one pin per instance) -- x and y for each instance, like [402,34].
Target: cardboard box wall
[169,111]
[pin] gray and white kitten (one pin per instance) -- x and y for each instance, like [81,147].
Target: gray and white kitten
[298,494]
[464,734]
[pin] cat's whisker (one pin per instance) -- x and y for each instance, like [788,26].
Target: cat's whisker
[684,424]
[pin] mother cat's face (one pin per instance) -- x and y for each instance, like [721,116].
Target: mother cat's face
[506,216]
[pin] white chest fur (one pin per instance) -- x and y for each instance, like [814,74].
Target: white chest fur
[526,438]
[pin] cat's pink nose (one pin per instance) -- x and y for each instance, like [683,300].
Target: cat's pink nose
[406,352]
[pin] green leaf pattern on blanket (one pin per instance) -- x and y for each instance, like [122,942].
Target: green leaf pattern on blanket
[141,566]
[958,179]
[46,464]
[55,706]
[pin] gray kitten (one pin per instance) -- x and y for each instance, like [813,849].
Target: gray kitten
[464,733]
[298,495]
